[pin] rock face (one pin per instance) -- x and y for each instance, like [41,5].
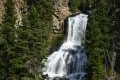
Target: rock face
[19,7]
[61,12]
[2,11]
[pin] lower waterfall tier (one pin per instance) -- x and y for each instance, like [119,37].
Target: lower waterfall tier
[67,62]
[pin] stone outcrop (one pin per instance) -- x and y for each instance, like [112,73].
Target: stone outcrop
[61,12]
[19,6]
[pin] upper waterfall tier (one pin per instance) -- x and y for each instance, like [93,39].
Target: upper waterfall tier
[77,28]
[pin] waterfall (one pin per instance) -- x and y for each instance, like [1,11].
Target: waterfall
[69,62]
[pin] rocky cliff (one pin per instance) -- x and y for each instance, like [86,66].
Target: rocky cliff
[61,12]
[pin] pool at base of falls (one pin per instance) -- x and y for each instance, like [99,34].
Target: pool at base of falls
[73,76]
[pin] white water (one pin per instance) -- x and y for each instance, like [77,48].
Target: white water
[70,60]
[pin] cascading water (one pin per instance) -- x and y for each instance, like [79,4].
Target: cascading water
[70,60]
